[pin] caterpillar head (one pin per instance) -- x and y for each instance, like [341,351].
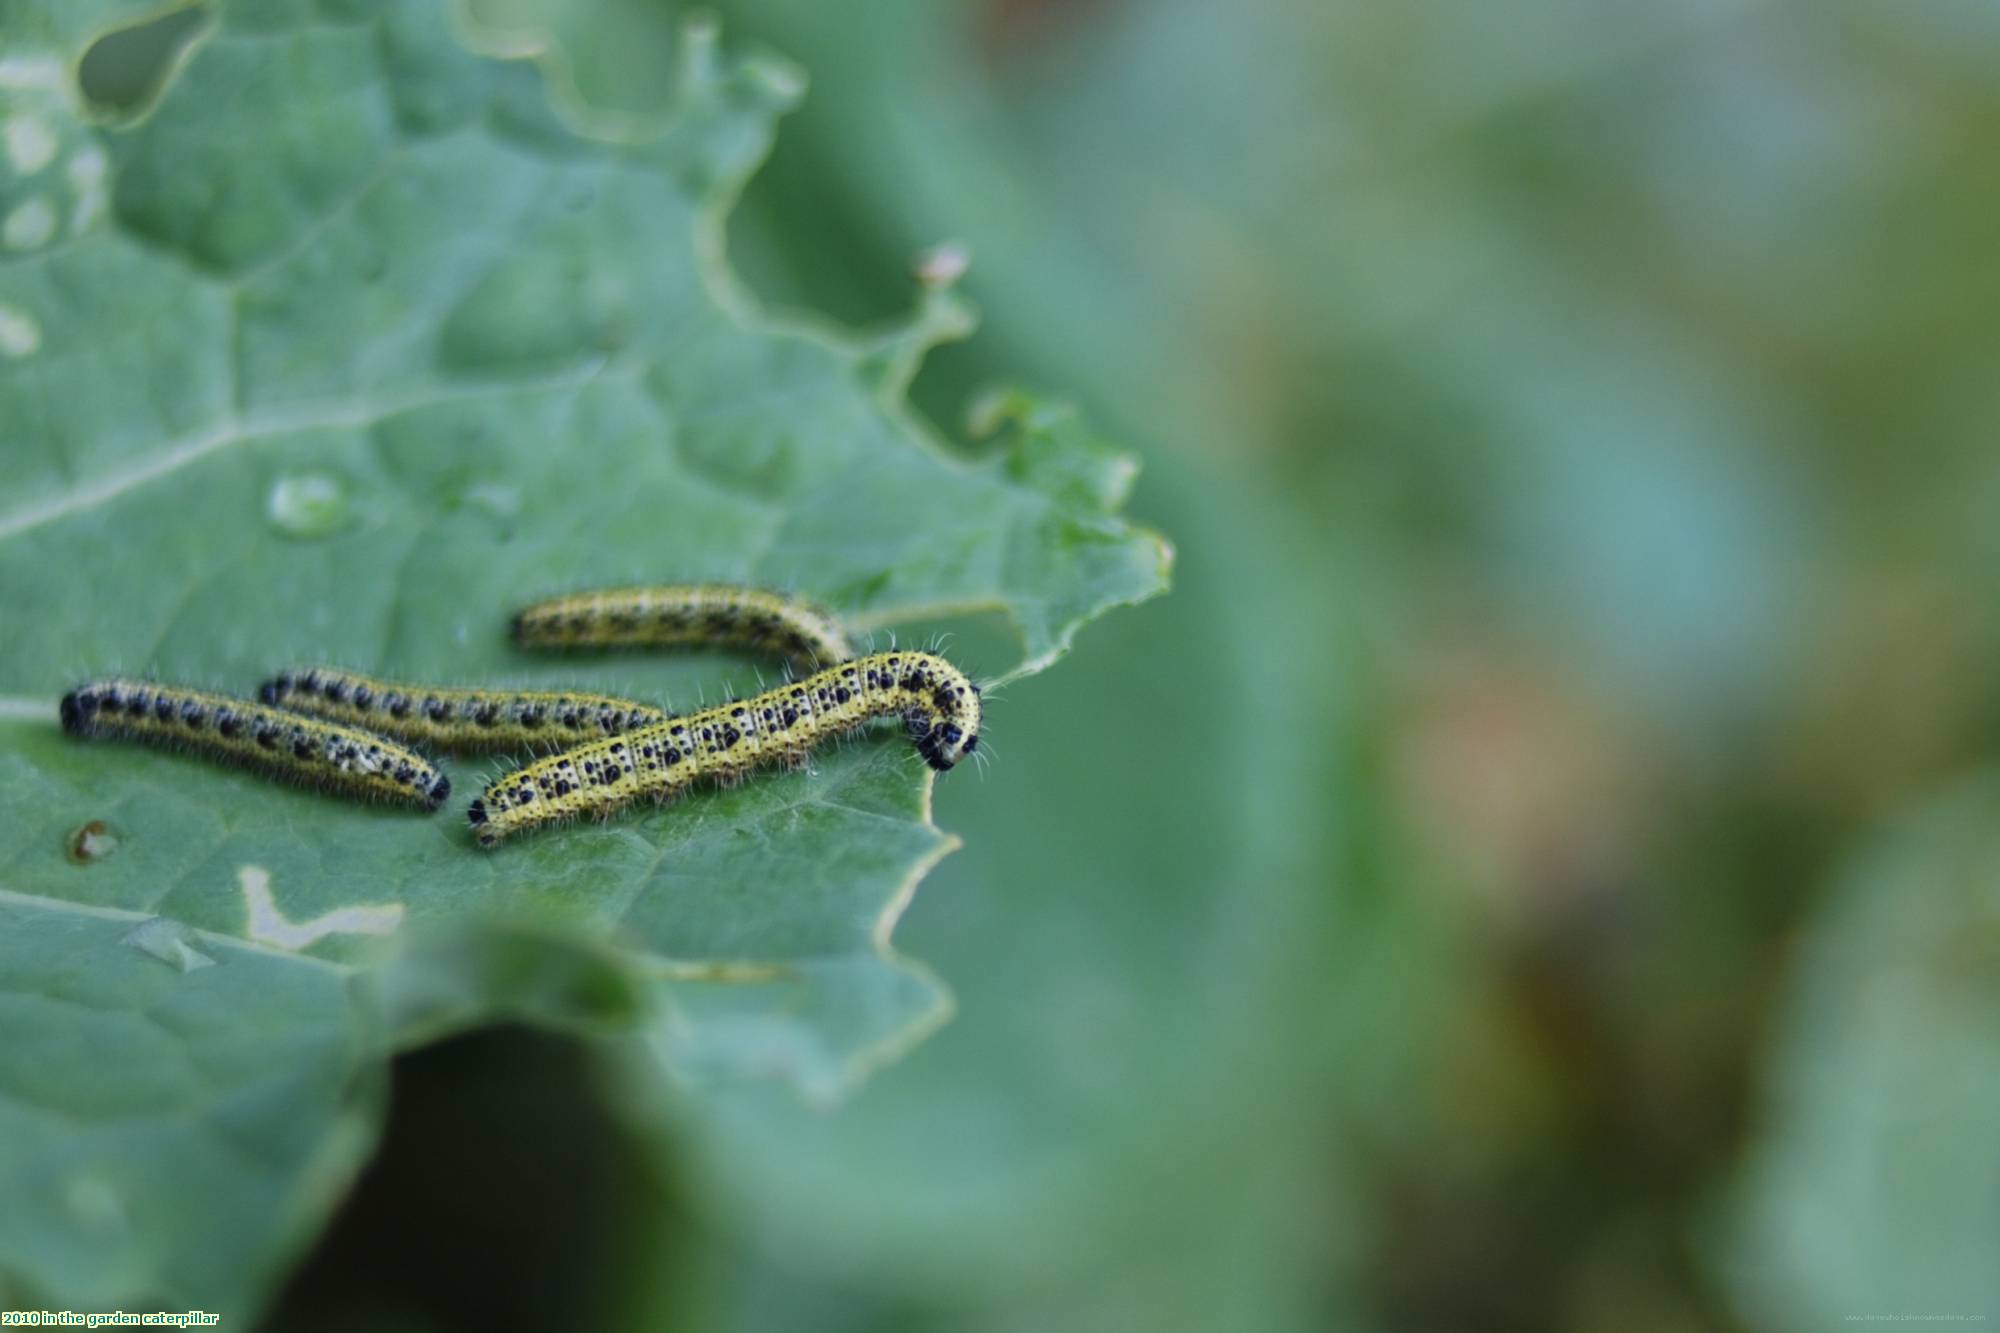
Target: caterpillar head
[941,744]
[77,706]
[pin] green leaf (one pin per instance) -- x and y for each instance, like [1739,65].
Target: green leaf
[157,1084]
[1872,1188]
[351,345]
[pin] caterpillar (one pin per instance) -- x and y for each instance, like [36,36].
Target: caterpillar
[347,761]
[940,708]
[686,614]
[457,719]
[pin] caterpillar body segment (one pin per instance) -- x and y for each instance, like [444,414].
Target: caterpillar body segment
[687,614]
[457,720]
[940,708]
[326,756]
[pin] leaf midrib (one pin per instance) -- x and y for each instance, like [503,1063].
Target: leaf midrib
[193,447]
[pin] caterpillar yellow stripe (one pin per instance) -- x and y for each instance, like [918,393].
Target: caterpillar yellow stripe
[459,720]
[940,708]
[692,613]
[326,756]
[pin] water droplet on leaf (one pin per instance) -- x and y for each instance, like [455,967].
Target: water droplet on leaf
[30,225]
[308,505]
[30,143]
[20,335]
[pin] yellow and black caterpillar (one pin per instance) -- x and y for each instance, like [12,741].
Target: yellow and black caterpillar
[461,720]
[692,613]
[940,708]
[325,755]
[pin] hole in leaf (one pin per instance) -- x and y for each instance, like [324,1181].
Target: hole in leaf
[507,1193]
[126,70]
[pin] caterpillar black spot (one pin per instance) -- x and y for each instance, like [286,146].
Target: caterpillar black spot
[346,761]
[460,720]
[680,614]
[939,706]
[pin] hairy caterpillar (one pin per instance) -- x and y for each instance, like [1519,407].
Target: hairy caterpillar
[457,719]
[305,750]
[940,708]
[685,614]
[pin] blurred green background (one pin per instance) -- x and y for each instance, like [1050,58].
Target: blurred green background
[1533,872]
